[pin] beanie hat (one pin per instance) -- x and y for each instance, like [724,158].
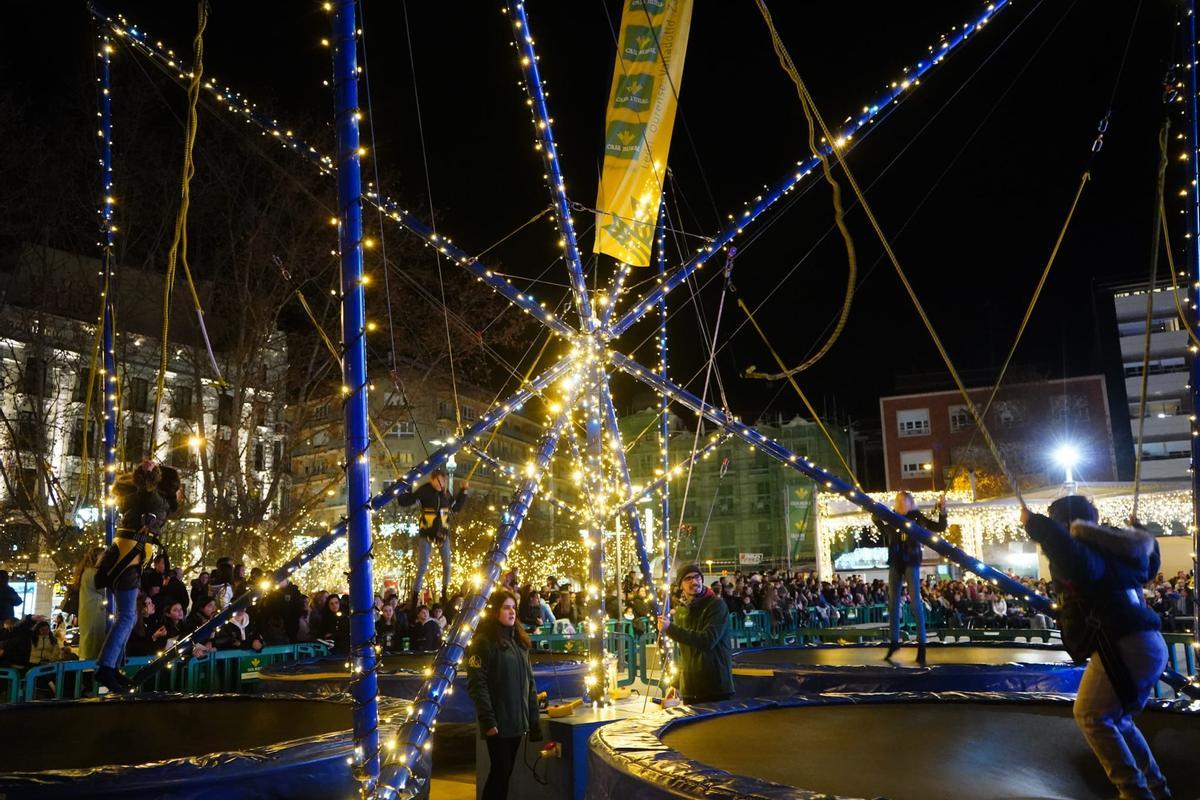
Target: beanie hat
[1066,510]
[687,569]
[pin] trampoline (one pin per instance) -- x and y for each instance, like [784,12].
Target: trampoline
[900,747]
[401,675]
[958,667]
[180,746]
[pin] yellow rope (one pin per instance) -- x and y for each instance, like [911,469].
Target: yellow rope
[1160,181]
[1183,320]
[804,398]
[178,251]
[1037,293]
[970,404]
[839,214]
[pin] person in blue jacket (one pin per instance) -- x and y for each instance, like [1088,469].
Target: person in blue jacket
[1099,572]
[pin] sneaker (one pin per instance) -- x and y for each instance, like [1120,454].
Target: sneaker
[891,652]
[107,677]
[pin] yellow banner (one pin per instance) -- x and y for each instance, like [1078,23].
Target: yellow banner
[637,133]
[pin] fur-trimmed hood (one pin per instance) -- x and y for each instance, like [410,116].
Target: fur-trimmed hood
[1130,544]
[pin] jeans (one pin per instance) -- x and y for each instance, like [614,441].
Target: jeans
[502,753]
[113,651]
[424,550]
[1110,731]
[913,576]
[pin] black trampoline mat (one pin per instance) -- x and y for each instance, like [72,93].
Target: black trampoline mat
[88,734]
[924,751]
[940,655]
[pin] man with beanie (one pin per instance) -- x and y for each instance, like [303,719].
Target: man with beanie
[1099,572]
[700,627]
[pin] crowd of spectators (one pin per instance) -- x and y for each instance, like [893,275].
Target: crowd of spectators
[170,607]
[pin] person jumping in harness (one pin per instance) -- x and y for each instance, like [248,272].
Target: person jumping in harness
[145,498]
[433,525]
[904,564]
[1099,572]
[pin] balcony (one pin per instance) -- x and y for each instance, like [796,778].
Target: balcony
[1167,384]
[1163,468]
[1171,428]
[1134,307]
[1162,345]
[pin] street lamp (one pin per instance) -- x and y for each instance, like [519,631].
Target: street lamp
[1067,456]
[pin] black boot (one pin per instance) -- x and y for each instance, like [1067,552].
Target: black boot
[107,677]
[892,648]
[921,654]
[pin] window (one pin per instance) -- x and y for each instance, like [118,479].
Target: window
[445,409]
[468,413]
[1138,328]
[915,464]
[35,377]
[960,419]
[135,442]
[1009,413]
[26,490]
[277,453]
[260,457]
[260,412]
[76,444]
[405,459]
[321,411]
[225,409]
[28,432]
[181,402]
[1069,408]
[913,422]
[403,429]
[79,390]
[222,452]
[1158,366]
[138,395]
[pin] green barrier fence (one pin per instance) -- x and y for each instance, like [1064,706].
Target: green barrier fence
[220,671]
[10,684]
[626,647]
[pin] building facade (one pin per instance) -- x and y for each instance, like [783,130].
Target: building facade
[929,439]
[743,508]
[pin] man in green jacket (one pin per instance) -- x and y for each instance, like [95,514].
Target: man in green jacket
[700,627]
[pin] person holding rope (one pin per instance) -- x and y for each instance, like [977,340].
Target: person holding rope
[433,525]
[1099,572]
[904,564]
[145,498]
[701,628]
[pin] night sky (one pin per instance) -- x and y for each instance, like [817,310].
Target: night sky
[971,177]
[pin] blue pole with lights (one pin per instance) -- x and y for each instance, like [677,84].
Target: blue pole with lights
[542,124]
[363,686]
[413,739]
[830,481]
[108,384]
[664,430]
[631,514]
[1194,259]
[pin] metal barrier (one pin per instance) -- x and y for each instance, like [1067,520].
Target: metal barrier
[10,683]
[221,671]
[1181,657]
[994,634]
[624,646]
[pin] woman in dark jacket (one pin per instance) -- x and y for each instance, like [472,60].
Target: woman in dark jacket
[904,564]
[335,625]
[149,634]
[500,681]
[1099,572]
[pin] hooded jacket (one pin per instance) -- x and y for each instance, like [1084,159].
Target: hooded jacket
[500,682]
[1099,572]
[701,628]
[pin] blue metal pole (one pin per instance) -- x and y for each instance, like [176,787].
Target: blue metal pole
[412,740]
[1194,259]
[542,125]
[108,384]
[610,303]
[439,457]
[594,477]
[845,139]
[828,480]
[631,515]
[664,431]
[359,537]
